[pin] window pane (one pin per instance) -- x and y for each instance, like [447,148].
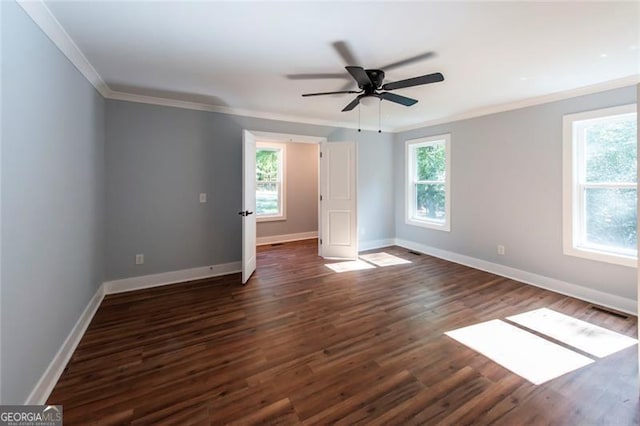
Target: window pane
[267,199]
[430,162]
[611,217]
[430,202]
[267,165]
[610,150]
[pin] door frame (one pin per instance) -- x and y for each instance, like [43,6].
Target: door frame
[262,136]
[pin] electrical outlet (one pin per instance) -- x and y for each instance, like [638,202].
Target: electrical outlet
[501,250]
[139,259]
[203,197]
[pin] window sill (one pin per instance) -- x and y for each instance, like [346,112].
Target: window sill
[271,218]
[616,259]
[438,226]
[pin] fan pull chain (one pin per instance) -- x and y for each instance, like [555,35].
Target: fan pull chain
[379,116]
[359,129]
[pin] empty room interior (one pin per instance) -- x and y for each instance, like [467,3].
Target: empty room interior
[320,212]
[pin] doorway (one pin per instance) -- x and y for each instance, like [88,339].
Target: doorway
[287,191]
[337,208]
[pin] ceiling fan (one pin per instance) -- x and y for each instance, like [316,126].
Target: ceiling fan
[370,81]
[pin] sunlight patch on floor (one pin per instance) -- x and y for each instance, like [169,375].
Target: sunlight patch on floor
[527,355]
[582,335]
[350,265]
[384,259]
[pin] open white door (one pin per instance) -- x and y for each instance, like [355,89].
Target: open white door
[339,216]
[248,205]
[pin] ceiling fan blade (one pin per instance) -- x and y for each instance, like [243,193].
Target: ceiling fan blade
[352,105]
[416,81]
[316,76]
[348,86]
[359,75]
[345,52]
[408,61]
[402,100]
[331,93]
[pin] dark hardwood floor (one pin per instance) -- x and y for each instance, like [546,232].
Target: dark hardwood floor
[302,344]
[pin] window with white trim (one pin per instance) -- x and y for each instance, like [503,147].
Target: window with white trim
[270,188]
[600,185]
[428,196]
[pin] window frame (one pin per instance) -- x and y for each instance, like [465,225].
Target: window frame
[411,182]
[282,190]
[574,185]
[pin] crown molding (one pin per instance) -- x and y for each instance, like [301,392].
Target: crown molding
[154,100]
[557,96]
[42,16]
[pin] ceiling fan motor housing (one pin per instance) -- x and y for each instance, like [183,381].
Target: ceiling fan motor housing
[376,77]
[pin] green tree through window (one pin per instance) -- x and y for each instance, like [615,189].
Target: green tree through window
[269,182]
[610,200]
[431,166]
[428,182]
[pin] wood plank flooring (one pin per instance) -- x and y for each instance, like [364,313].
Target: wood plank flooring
[301,344]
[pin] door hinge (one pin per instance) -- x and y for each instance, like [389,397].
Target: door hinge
[320,154]
[320,240]
[320,197]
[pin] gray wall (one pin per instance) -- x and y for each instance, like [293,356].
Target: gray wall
[506,188]
[52,200]
[301,180]
[375,183]
[160,158]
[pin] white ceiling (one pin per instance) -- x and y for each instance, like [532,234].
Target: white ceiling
[237,54]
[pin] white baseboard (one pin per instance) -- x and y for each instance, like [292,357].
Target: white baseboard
[48,380]
[568,289]
[286,238]
[45,385]
[155,280]
[375,244]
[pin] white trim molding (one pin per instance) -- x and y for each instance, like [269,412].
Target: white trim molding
[51,27]
[198,106]
[411,182]
[619,303]
[574,184]
[618,83]
[286,238]
[51,375]
[173,277]
[42,16]
[286,137]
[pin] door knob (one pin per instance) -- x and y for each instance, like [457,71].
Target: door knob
[245,213]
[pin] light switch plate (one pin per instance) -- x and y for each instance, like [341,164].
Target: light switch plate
[203,197]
